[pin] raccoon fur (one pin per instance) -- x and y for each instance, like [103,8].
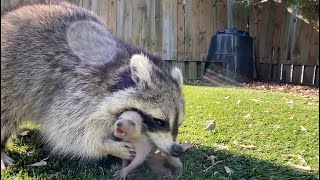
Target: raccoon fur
[63,69]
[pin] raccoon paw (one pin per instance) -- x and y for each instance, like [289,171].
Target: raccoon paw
[120,175]
[124,150]
[6,161]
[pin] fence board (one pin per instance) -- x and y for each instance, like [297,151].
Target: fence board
[128,22]
[195,7]
[316,82]
[112,16]
[277,32]
[313,55]
[188,30]
[157,36]
[137,10]
[299,40]
[120,18]
[192,70]
[206,27]
[286,73]
[304,42]
[264,72]
[180,30]
[101,8]
[296,74]
[239,17]
[169,41]
[284,36]
[275,72]
[308,75]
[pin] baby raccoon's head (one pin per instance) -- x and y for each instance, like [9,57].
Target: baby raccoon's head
[129,126]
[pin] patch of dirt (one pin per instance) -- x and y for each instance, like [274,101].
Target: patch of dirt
[284,87]
[268,86]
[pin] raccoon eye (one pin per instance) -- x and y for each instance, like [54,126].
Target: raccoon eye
[160,122]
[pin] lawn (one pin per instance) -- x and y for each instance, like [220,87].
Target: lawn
[259,135]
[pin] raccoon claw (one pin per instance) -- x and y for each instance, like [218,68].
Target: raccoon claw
[6,161]
[119,175]
[125,151]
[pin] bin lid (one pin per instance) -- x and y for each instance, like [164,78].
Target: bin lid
[233,31]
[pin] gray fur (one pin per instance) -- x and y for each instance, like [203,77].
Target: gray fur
[63,69]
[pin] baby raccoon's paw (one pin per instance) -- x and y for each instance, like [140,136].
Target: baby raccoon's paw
[6,161]
[124,150]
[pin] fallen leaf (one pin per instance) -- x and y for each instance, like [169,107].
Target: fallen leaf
[277,126]
[212,157]
[290,102]
[186,145]
[247,116]
[239,102]
[303,128]
[256,100]
[221,146]
[292,117]
[211,126]
[24,133]
[39,164]
[297,156]
[305,168]
[227,97]
[247,146]
[250,125]
[228,170]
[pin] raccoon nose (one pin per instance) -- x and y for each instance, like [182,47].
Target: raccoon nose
[119,124]
[176,150]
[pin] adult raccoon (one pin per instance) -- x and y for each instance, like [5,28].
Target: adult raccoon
[63,69]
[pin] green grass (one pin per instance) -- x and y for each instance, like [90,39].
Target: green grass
[256,147]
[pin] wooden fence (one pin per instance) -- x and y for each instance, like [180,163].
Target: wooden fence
[286,45]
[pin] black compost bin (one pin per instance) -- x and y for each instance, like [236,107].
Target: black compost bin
[231,54]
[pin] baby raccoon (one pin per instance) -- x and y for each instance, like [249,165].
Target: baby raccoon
[130,128]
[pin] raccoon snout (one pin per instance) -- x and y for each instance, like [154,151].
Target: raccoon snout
[176,150]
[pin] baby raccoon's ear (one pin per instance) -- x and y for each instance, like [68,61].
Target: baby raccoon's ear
[141,68]
[144,127]
[176,74]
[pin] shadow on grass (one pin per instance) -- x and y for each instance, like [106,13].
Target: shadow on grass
[196,165]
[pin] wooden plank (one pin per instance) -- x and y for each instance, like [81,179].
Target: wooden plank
[149,17]
[239,17]
[188,31]
[222,16]
[195,7]
[169,35]
[112,16]
[157,33]
[120,18]
[180,30]
[316,82]
[296,74]
[313,55]
[296,51]
[280,8]
[305,44]
[308,75]
[86,4]
[275,72]
[200,69]
[137,11]
[284,36]
[264,73]
[100,7]
[152,38]
[266,27]
[192,70]
[206,27]
[128,22]
[286,73]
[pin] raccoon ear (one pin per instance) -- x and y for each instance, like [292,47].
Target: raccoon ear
[91,42]
[144,127]
[140,70]
[176,74]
